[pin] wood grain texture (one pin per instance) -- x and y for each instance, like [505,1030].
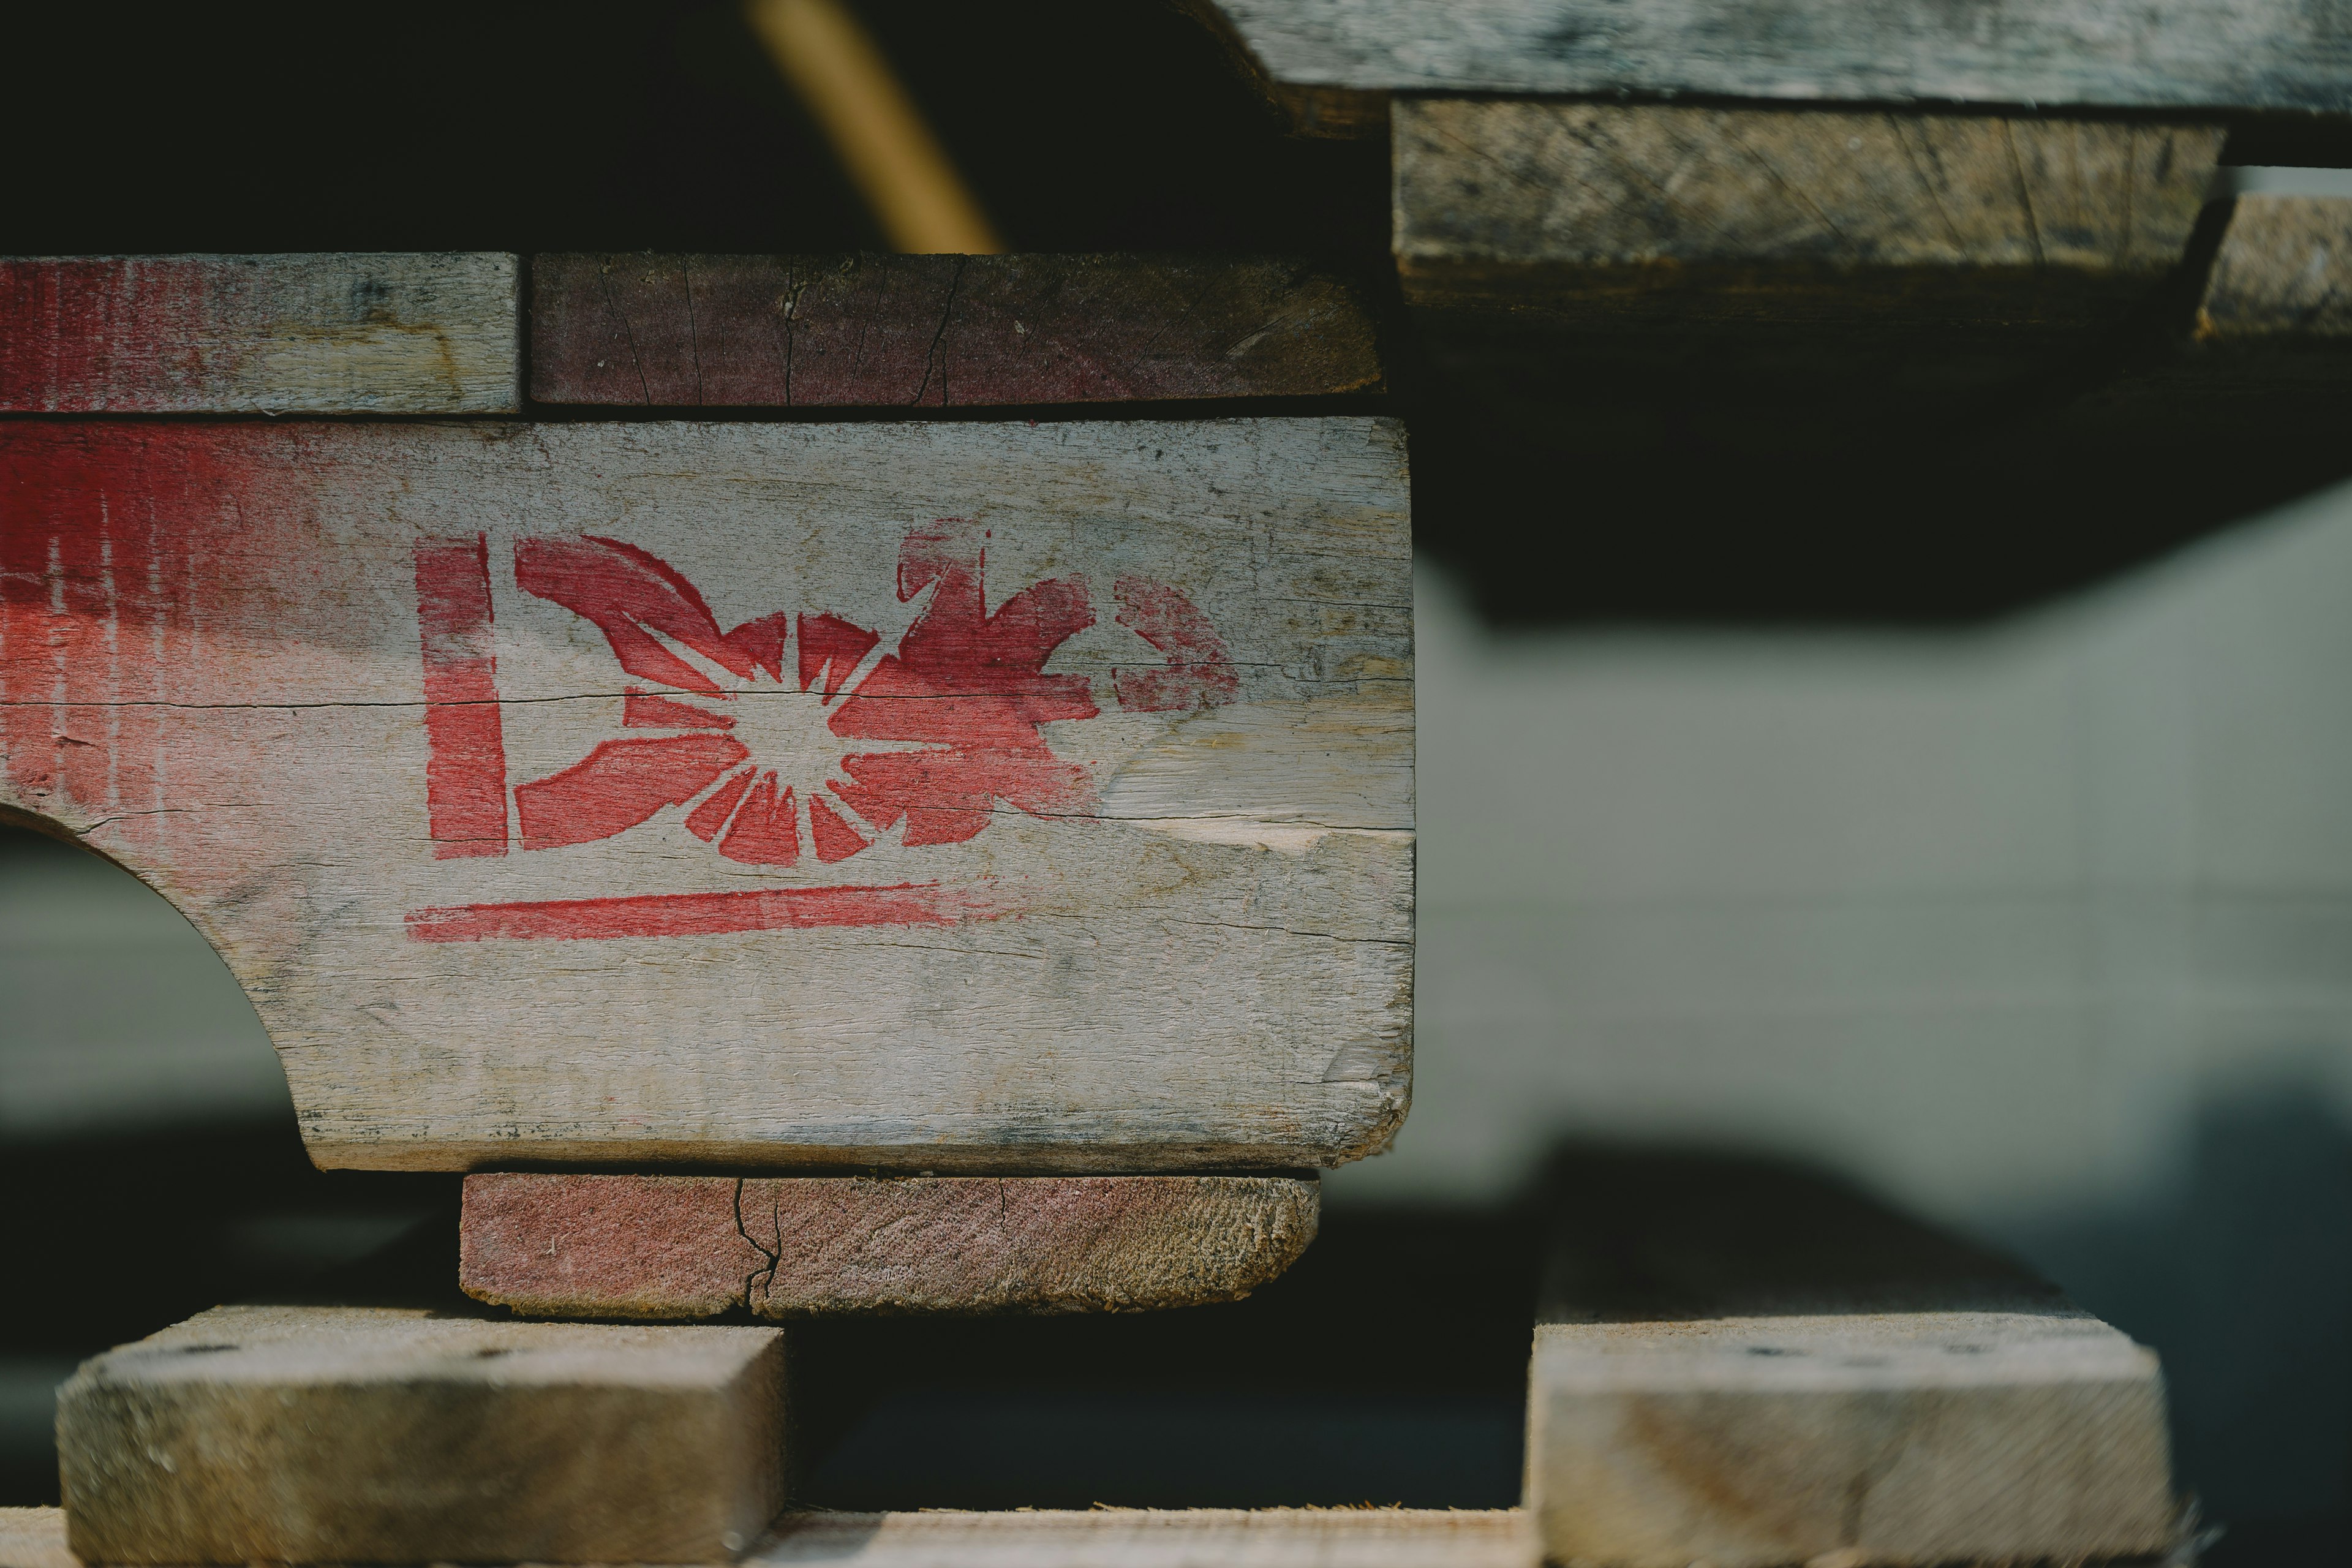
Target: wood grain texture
[1099,1538]
[383,1435]
[2110,54]
[392,333]
[2283,271]
[955,796]
[35,1538]
[555,1245]
[1592,210]
[1747,1366]
[936,331]
[1155,1538]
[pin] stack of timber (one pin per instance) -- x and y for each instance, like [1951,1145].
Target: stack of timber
[1846,259]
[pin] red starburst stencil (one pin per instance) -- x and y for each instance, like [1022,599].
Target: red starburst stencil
[796,733]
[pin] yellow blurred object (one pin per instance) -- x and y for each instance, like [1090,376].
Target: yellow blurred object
[890,152]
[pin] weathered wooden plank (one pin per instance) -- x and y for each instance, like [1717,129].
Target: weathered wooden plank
[1588,212]
[1746,1367]
[35,1538]
[392,333]
[934,331]
[577,1245]
[1099,1538]
[2283,271]
[952,797]
[383,1435]
[2214,55]
[1155,1538]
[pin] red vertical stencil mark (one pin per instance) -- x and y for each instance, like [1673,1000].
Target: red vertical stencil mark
[1199,672]
[466,775]
[763,832]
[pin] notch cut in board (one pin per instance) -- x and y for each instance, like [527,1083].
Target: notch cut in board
[937,331]
[395,332]
[1745,1365]
[293,1434]
[1332,61]
[561,1245]
[956,797]
[1762,216]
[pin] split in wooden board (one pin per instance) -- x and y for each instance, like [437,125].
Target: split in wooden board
[563,1245]
[332,334]
[939,331]
[957,796]
[1743,1366]
[1099,1538]
[1335,60]
[385,1434]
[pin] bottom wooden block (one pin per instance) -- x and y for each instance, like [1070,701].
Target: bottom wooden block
[1738,1365]
[399,1435]
[691,1246]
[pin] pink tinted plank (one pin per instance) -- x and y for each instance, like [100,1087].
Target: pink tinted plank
[563,1244]
[685,332]
[392,333]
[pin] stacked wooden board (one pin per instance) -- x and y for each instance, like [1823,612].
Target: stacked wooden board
[1819,261]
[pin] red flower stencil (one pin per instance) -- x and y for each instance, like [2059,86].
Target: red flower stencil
[804,734]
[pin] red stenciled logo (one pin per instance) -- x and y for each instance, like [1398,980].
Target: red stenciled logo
[795,732]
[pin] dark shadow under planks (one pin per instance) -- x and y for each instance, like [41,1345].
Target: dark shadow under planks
[849,332]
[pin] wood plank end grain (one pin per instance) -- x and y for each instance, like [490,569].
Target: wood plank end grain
[396,333]
[1745,1365]
[658,1246]
[939,331]
[384,1434]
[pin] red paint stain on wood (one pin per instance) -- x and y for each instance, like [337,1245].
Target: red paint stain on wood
[620,784]
[763,833]
[1199,672]
[709,914]
[465,773]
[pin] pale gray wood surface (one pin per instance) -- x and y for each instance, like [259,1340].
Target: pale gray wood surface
[1746,1367]
[1589,210]
[2112,54]
[550,1244]
[1099,1538]
[1107,904]
[335,333]
[384,1434]
[1155,1538]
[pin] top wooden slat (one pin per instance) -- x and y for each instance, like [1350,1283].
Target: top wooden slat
[396,333]
[2118,53]
[849,331]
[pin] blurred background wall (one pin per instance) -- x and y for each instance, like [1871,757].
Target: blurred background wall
[2038,920]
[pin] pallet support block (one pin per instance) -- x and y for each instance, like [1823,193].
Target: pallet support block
[691,1246]
[1743,1366]
[393,1434]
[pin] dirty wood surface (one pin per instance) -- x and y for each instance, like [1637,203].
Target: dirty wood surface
[2283,271]
[954,797]
[1748,1366]
[558,1245]
[1099,1538]
[2101,54]
[1595,210]
[383,1435]
[937,331]
[392,333]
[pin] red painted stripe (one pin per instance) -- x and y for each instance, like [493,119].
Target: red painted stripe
[709,914]
[465,774]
